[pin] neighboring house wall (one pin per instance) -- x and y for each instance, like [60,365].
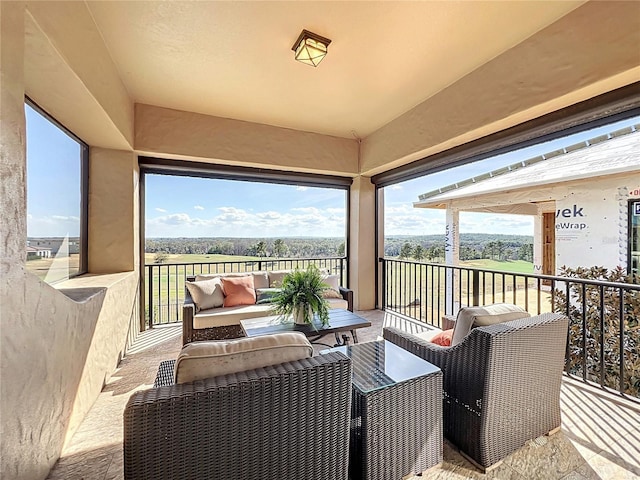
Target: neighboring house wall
[591,223]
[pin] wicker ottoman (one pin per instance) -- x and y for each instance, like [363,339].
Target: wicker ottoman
[396,410]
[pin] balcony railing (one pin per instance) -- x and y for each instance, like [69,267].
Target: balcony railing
[603,345]
[164,283]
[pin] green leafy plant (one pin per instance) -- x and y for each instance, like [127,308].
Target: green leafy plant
[302,294]
[600,340]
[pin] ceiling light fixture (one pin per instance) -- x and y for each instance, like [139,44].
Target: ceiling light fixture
[310,48]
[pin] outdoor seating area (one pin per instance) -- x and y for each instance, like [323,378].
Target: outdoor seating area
[585,447]
[145,144]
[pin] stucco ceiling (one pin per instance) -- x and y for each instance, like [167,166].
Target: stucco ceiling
[234,59]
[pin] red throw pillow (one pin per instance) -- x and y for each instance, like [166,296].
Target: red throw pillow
[443,338]
[238,291]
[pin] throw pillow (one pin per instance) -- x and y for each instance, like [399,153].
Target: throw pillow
[238,291]
[206,359]
[206,293]
[276,276]
[265,295]
[443,338]
[334,286]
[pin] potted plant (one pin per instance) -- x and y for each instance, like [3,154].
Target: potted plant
[301,296]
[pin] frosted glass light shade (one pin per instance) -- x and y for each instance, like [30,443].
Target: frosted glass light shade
[310,48]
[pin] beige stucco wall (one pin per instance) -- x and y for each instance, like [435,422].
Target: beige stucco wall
[55,352]
[113,206]
[70,73]
[599,53]
[362,254]
[221,140]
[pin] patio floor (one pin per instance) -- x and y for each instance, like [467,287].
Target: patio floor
[600,436]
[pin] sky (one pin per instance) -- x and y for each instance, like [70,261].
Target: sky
[196,207]
[53,179]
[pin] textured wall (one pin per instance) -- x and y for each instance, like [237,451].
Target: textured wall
[113,204]
[55,353]
[362,254]
[213,139]
[591,50]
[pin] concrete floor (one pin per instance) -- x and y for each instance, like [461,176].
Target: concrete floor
[600,436]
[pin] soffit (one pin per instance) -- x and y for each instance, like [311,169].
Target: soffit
[234,59]
[616,156]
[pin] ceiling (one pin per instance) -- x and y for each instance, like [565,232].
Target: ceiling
[234,59]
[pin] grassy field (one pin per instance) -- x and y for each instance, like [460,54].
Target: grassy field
[423,283]
[428,292]
[166,287]
[517,266]
[197,258]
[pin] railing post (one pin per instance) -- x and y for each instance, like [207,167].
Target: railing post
[383,274]
[150,302]
[475,287]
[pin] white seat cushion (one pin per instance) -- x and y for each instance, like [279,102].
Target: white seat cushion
[199,360]
[471,317]
[219,317]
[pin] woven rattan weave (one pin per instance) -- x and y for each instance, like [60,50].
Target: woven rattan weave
[501,384]
[396,412]
[289,421]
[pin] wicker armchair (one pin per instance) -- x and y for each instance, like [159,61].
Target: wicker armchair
[501,384]
[287,421]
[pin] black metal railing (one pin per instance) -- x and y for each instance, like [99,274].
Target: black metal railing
[603,345]
[164,282]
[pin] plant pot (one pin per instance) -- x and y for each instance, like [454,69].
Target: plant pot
[298,315]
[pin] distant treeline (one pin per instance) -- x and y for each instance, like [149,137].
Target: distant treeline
[421,247]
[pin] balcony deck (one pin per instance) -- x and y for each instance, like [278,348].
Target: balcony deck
[600,436]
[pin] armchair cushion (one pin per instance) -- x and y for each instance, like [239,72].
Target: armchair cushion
[471,317]
[208,359]
[206,293]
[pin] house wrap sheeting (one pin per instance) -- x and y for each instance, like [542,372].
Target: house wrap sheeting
[591,188]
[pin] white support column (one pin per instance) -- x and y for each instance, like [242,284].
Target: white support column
[362,253]
[452,257]
[538,240]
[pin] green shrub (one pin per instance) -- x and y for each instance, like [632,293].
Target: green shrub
[585,306]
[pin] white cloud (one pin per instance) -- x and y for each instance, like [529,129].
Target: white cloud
[301,188]
[396,187]
[53,226]
[198,207]
[236,222]
[161,210]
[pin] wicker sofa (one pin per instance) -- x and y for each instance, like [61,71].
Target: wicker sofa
[224,322]
[501,383]
[288,421]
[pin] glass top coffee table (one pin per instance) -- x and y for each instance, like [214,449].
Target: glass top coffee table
[340,321]
[396,412]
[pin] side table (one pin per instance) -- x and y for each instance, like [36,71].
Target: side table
[396,412]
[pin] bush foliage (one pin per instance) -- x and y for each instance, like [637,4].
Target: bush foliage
[595,325]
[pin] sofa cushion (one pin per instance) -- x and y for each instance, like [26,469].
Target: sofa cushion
[333,281]
[276,277]
[199,360]
[220,317]
[260,278]
[238,291]
[206,293]
[265,295]
[471,317]
[337,303]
